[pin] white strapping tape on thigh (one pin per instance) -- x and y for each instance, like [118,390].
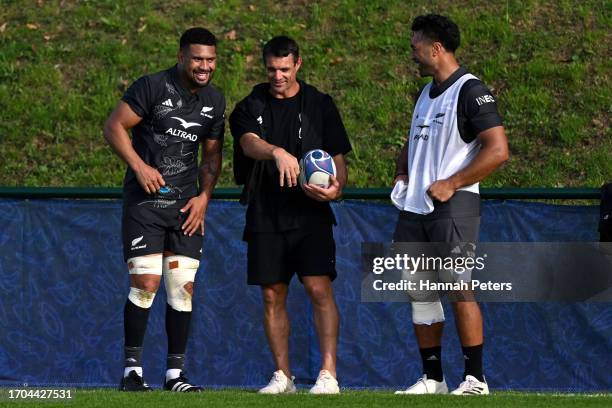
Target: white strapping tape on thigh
[179,270]
[140,265]
[141,298]
[427,312]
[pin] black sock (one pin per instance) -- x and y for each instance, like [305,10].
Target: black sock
[432,362]
[473,362]
[177,329]
[135,325]
[175,361]
[133,356]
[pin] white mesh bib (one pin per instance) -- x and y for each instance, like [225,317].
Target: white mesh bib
[435,148]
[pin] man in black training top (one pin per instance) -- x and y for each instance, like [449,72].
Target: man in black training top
[456,139]
[289,230]
[170,114]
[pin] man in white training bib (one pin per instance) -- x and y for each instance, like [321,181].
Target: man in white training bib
[456,139]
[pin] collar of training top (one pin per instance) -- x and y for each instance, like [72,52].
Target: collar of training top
[437,90]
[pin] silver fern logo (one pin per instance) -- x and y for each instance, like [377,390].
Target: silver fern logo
[171,166]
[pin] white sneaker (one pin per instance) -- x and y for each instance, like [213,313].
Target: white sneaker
[279,384]
[471,386]
[426,386]
[326,384]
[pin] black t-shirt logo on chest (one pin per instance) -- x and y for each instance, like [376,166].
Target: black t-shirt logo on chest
[206,111]
[185,132]
[187,122]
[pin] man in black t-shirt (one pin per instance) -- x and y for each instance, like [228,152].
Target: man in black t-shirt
[289,230]
[170,114]
[456,140]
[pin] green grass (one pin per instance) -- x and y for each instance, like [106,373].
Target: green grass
[236,398]
[65,64]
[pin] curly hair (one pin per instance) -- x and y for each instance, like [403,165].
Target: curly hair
[197,35]
[438,28]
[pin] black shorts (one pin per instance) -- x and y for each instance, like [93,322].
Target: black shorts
[147,230]
[411,228]
[453,229]
[273,257]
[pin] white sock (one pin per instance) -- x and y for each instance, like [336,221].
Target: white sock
[172,373]
[127,370]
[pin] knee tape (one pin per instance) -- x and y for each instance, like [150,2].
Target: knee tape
[178,271]
[141,265]
[141,298]
[427,312]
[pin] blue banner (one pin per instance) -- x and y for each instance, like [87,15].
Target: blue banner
[63,285]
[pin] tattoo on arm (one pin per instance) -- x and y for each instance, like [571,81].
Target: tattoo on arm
[210,168]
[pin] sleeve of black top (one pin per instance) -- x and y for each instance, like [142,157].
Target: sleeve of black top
[335,139]
[479,107]
[139,96]
[218,127]
[242,122]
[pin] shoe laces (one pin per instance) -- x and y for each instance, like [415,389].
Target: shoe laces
[469,383]
[420,380]
[325,376]
[138,379]
[277,378]
[182,378]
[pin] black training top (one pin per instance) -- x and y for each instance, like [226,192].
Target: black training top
[273,208]
[476,107]
[174,123]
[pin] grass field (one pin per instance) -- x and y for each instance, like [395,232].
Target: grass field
[65,64]
[111,398]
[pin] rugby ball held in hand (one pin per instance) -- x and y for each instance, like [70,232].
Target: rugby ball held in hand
[315,168]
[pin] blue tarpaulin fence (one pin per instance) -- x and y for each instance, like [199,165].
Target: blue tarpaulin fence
[63,285]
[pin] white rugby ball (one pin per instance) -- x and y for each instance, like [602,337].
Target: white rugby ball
[315,168]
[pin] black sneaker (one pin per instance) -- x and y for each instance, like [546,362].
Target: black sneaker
[133,382]
[181,384]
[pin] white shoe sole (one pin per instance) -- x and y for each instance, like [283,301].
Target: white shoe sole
[291,391]
[324,392]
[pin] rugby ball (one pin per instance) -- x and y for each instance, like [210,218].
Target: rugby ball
[315,168]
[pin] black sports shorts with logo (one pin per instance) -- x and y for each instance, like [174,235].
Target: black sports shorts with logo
[274,257]
[457,220]
[147,230]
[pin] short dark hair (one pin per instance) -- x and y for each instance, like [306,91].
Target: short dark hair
[197,35]
[438,28]
[281,46]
